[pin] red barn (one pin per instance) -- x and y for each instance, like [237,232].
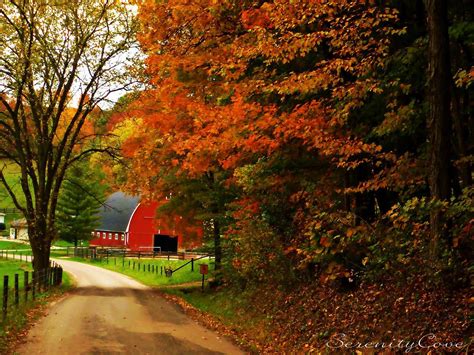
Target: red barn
[125,222]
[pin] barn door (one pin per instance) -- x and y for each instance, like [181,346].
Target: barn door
[165,242]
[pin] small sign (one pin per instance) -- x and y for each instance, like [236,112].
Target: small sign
[203,269]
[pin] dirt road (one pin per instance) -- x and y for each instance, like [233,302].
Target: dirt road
[110,313]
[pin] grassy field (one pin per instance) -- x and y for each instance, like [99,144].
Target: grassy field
[140,271]
[5,244]
[12,267]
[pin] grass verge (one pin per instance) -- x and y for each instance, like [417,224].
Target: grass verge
[148,271]
[223,310]
[13,330]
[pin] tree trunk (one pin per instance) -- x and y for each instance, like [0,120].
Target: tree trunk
[461,133]
[217,245]
[40,246]
[439,120]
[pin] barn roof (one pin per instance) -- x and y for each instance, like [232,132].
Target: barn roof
[117,211]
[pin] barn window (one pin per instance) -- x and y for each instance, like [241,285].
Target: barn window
[93,234]
[123,236]
[104,236]
[116,236]
[110,235]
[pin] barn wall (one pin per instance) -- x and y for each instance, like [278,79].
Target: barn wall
[144,225]
[107,242]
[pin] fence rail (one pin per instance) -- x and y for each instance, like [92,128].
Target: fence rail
[9,210]
[100,252]
[21,288]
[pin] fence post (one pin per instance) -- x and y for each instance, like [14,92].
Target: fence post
[192,264]
[17,294]
[26,285]
[5,296]
[161,270]
[148,267]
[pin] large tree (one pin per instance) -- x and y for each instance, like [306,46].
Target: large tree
[55,55]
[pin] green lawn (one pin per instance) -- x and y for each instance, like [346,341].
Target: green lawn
[12,267]
[5,244]
[184,275]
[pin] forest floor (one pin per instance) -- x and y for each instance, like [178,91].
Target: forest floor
[321,319]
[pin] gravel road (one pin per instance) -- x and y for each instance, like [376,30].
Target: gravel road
[109,313]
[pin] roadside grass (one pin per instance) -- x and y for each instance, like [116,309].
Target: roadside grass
[140,270]
[233,309]
[222,304]
[19,317]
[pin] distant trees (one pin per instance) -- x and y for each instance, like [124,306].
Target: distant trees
[58,61]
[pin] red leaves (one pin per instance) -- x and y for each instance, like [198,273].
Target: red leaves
[257,17]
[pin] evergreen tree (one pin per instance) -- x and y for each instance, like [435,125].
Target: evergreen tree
[80,198]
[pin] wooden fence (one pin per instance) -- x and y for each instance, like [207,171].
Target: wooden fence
[21,288]
[101,253]
[145,267]
[9,210]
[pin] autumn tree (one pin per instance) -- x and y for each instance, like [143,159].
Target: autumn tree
[54,56]
[313,113]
